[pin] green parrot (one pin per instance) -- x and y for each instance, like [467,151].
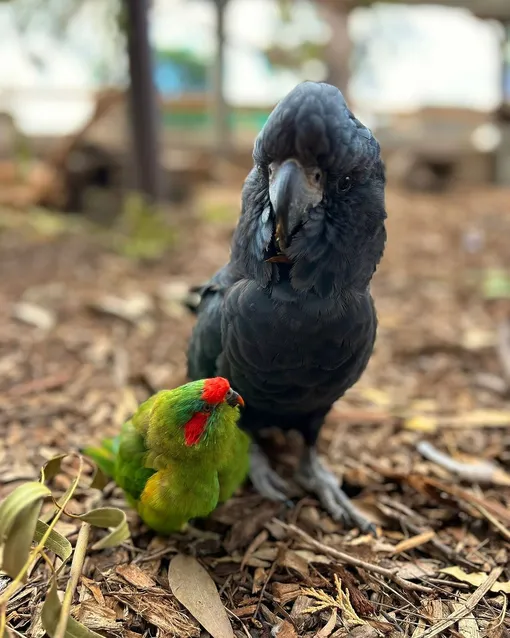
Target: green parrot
[180,454]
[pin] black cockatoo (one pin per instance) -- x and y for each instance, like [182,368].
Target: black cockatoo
[290,320]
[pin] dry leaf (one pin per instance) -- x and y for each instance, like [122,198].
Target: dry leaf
[418,569]
[94,589]
[292,560]
[135,576]
[195,589]
[475,579]
[328,627]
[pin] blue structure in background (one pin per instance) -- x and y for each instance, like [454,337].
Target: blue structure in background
[179,72]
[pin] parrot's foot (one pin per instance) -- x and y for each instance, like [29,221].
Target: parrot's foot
[265,480]
[315,478]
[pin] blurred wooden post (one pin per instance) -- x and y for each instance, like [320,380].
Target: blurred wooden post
[220,110]
[144,111]
[335,13]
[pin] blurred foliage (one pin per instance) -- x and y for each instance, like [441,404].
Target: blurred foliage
[294,58]
[142,231]
[496,284]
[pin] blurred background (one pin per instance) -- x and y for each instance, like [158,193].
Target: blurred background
[126,131]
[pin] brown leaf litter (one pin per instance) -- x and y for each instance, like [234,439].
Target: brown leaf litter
[86,333]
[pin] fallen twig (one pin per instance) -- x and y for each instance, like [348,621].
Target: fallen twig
[482,472]
[495,508]
[386,506]
[352,560]
[467,606]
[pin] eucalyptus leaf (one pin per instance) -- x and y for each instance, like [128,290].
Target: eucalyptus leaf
[50,616]
[99,480]
[194,588]
[55,542]
[51,468]
[18,517]
[108,517]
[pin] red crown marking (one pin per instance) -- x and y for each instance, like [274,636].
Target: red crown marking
[215,390]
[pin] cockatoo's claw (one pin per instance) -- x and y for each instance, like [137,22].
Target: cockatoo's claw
[317,479]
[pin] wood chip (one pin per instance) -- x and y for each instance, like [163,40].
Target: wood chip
[135,576]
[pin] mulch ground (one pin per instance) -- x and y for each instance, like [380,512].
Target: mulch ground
[86,333]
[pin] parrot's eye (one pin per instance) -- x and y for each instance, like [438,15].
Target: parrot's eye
[344,184]
[208,408]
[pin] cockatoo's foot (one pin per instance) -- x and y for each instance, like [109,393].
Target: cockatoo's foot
[315,478]
[265,480]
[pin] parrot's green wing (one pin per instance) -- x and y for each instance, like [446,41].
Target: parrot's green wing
[130,471]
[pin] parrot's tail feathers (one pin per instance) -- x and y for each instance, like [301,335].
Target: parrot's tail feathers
[104,456]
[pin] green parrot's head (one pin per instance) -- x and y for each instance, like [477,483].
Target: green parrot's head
[195,418]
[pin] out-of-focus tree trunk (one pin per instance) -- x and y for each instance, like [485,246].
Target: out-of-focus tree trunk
[220,108]
[144,111]
[335,13]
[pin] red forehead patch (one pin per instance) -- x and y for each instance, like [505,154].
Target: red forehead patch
[215,390]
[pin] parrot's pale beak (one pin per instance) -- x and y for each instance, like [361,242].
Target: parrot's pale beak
[234,399]
[284,192]
[292,195]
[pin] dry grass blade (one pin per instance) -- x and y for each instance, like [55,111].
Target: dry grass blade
[76,567]
[194,588]
[466,607]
